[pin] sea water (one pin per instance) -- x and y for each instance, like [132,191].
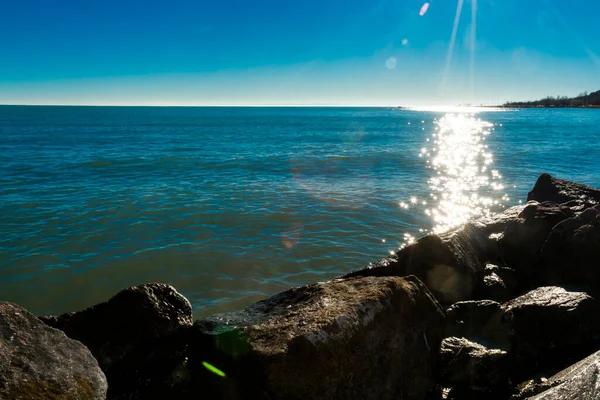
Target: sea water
[231,205]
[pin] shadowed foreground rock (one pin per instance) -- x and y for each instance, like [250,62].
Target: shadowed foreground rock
[134,317]
[466,363]
[39,362]
[479,321]
[365,338]
[551,326]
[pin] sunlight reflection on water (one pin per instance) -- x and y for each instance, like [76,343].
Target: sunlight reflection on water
[464,184]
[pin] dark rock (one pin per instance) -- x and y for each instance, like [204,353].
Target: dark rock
[479,321]
[551,327]
[39,362]
[499,284]
[530,388]
[365,338]
[155,371]
[555,190]
[466,363]
[571,254]
[523,238]
[134,317]
[579,381]
[451,264]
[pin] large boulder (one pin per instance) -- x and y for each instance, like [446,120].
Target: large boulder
[571,253]
[471,364]
[556,190]
[134,317]
[551,327]
[356,338]
[523,238]
[452,263]
[579,381]
[39,362]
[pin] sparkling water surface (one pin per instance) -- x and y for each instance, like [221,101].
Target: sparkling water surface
[231,205]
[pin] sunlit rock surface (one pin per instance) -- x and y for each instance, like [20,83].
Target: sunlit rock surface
[366,338]
[39,362]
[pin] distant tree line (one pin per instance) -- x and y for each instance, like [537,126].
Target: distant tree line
[584,99]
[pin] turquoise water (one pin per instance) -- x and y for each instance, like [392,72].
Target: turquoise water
[231,205]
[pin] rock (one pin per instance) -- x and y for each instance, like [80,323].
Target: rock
[158,370]
[556,190]
[134,317]
[551,327]
[39,362]
[356,338]
[571,254]
[579,381]
[523,238]
[530,388]
[479,321]
[466,363]
[450,264]
[499,284]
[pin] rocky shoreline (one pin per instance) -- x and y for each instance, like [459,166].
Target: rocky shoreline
[500,308]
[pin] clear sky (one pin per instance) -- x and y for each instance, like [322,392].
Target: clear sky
[229,52]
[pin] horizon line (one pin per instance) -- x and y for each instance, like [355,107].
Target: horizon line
[247,105]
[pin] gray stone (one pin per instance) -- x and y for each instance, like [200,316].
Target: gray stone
[39,362]
[134,317]
[357,338]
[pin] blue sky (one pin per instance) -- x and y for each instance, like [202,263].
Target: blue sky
[229,52]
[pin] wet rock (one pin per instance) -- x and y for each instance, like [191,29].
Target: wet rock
[39,362]
[361,338]
[551,327]
[523,238]
[479,321]
[579,381]
[571,254]
[556,190]
[467,363]
[134,317]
